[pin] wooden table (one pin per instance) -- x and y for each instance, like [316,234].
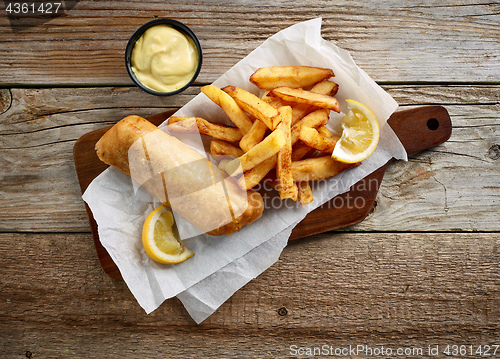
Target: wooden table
[422,270]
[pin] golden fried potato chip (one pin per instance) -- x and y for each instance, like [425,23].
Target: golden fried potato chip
[269,146]
[254,106]
[318,168]
[286,185]
[268,78]
[229,106]
[298,95]
[314,119]
[254,136]
[305,193]
[223,148]
[312,138]
[253,177]
[194,124]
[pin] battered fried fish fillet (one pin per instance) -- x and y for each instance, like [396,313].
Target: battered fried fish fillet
[179,177]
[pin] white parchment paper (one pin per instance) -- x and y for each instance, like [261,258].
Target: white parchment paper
[222,264]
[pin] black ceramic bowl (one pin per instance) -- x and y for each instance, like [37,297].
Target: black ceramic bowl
[179,26]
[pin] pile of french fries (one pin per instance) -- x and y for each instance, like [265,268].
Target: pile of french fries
[280,135]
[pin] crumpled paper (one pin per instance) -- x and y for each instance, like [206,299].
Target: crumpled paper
[223,264]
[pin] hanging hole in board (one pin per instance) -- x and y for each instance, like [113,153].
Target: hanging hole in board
[432,124]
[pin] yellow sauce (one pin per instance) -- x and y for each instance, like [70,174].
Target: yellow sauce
[164,59]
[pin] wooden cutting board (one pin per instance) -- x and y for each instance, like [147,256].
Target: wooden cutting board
[418,129]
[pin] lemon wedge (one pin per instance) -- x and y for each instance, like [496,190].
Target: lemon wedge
[360,134]
[159,240]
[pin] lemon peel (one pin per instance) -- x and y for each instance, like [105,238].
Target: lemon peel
[159,240]
[360,134]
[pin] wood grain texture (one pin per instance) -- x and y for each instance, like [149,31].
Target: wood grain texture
[404,41]
[451,187]
[399,290]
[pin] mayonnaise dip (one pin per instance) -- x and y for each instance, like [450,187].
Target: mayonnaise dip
[164,59]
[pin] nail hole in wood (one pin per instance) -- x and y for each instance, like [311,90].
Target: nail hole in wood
[432,124]
[5,100]
[494,152]
[282,311]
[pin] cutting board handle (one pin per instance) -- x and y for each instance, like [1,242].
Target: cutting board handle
[422,127]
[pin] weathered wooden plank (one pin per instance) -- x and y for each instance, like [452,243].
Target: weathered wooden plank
[454,186]
[37,141]
[457,182]
[372,289]
[403,41]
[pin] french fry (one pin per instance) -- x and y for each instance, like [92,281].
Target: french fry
[229,106]
[219,147]
[175,119]
[274,101]
[301,150]
[300,110]
[312,138]
[254,136]
[314,119]
[193,124]
[304,192]
[325,132]
[298,95]
[254,106]
[253,177]
[266,97]
[287,187]
[268,78]
[326,87]
[318,168]
[269,146]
